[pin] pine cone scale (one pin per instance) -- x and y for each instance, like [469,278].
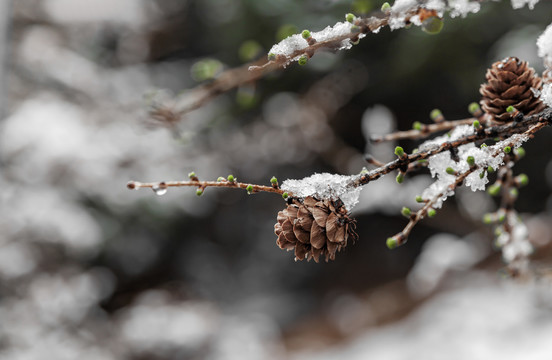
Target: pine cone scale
[301,235]
[317,236]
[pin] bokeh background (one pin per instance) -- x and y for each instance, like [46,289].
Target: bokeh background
[91,270]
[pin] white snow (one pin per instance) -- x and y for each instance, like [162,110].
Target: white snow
[483,157]
[289,45]
[325,186]
[295,43]
[402,9]
[518,4]
[546,94]
[463,7]
[515,245]
[399,12]
[544,43]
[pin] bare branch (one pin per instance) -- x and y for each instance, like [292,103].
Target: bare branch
[201,185]
[425,131]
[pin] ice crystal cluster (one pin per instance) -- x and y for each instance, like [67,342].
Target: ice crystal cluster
[518,4]
[401,11]
[515,243]
[544,44]
[484,157]
[295,43]
[325,186]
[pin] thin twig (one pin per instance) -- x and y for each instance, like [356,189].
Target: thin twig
[402,236]
[136,185]
[425,131]
[248,73]
[529,125]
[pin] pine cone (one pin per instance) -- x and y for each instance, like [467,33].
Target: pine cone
[510,83]
[314,228]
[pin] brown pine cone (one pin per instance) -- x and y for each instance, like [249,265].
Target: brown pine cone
[510,83]
[314,228]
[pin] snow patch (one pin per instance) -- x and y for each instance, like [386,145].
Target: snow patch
[518,4]
[326,186]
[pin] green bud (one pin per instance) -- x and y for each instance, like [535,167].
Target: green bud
[364,171]
[392,243]
[523,179]
[400,178]
[435,114]
[431,213]
[406,211]
[306,34]
[399,151]
[285,195]
[482,174]
[350,18]
[432,25]
[220,179]
[514,192]
[494,190]
[490,169]
[483,146]
[502,217]
[450,171]
[520,152]
[416,125]
[488,219]
[421,161]
[192,175]
[249,189]
[476,124]
[474,108]
[303,60]
[471,160]
[273,180]
[385,6]
[271,56]
[510,109]
[507,149]
[199,192]
[231,178]
[419,199]
[249,50]
[205,69]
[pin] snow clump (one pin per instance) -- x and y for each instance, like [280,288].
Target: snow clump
[326,186]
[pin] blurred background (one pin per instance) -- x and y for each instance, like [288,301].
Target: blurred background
[91,270]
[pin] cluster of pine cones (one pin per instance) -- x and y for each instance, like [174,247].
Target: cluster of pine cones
[511,82]
[314,228]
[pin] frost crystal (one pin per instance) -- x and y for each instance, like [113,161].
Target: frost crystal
[483,157]
[402,10]
[463,7]
[546,94]
[325,187]
[518,4]
[294,43]
[544,44]
[516,245]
